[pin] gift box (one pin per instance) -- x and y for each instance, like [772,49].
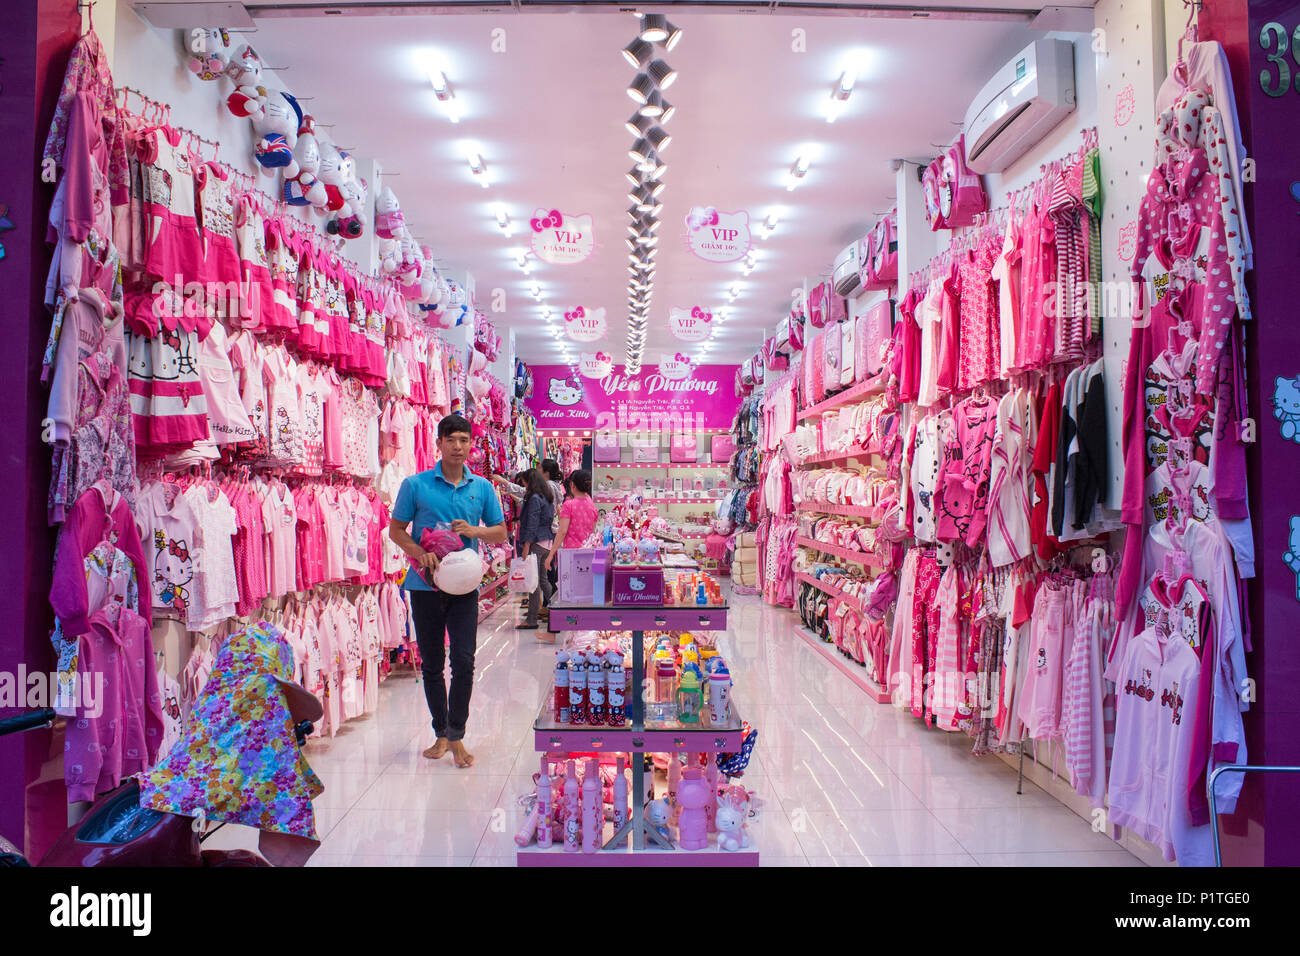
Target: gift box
[575,578]
[637,586]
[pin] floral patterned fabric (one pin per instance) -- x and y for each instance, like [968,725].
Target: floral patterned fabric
[238,759]
[88,72]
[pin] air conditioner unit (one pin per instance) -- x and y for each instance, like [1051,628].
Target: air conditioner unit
[847,274]
[1027,97]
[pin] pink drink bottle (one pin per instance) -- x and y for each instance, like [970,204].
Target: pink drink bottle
[544,805]
[617,685]
[620,798]
[577,688]
[572,811]
[596,710]
[562,687]
[593,821]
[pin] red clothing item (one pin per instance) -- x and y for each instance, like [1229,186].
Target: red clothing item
[1049,427]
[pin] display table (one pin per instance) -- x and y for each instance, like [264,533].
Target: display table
[638,736]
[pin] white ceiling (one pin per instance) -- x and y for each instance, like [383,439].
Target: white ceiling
[547,115]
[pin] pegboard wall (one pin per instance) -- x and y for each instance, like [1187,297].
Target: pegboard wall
[1129,47]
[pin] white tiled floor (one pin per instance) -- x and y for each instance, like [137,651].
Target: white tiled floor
[841,780]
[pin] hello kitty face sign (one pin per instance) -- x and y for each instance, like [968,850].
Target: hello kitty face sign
[716,236]
[675,367]
[691,325]
[584,325]
[565,391]
[595,364]
[561,239]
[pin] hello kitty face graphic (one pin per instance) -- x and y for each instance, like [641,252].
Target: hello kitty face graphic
[636,584]
[565,391]
[173,570]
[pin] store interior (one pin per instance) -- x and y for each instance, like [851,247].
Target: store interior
[914,357]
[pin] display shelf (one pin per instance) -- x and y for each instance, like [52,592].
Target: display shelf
[821,585]
[606,500]
[653,737]
[534,856]
[711,466]
[858,557]
[486,590]
[852,511]
[840,456]
[669,617]
[850,669]
[849,396]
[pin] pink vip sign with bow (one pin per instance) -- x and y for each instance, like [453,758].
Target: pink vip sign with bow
[560,238]
[675,367]
[595,364]
[706,399]
[691,325]
[716,236]
[584,325]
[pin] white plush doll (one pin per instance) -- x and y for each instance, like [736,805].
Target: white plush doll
[354,191]
[390,256]
[332,175]
[209,52]
[408,274]
[250,96]
[389,221]
[277,132]
[306,188]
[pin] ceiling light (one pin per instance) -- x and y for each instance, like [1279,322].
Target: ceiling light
[797,172]
[656,105]
[477,166]
[654,28]
[769,224]
[503,220]
[658,138]
[648,240]
[639,124]
[631,244]
[634,177]
[521,260]
[658,171]
[535,290]
[674,35]
[642,86]
[441,86]
[652,223]
[638,53]
[641,151]
[662,75]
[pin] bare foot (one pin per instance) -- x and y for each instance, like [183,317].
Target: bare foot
[462,756]
[438,750]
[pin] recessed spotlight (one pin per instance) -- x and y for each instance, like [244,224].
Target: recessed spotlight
[642,86]
[638,53]
[661,74]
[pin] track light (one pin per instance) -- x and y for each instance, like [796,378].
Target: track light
[662,75]
[797,172]
[770,223]
[657,106]
[634,177]
[478,167]
[658,139]
[638,53]
[642,86]
[503,220]
[641,151]
[639,124]
[654,28]
[840,94]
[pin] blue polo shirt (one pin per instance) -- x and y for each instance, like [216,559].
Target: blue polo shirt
[428,499]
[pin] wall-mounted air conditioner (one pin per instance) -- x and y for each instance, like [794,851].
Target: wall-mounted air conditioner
[847,275]
[1027,97]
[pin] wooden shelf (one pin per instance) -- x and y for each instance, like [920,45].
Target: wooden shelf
[849,396]
[858,557]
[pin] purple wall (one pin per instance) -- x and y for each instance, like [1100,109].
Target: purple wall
[34,44]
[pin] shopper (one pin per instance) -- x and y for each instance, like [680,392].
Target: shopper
[577,516]
[551,469]
[537,538]
[447,495]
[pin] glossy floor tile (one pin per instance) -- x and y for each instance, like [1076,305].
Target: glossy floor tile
[840,780]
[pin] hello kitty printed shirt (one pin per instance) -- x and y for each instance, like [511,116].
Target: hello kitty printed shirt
[166,524]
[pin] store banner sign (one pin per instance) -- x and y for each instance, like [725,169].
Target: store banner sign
[705,399]
[690,325]
[595,364]
[716,236]
[675,367]
[560,238]
[584,325]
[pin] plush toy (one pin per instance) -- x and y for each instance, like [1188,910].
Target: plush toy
[732,818]
[389,221]
[412,267]
[209,52]
[305,188]
[277,132]
[333,174]
[250,96]
[354,190]
[657,814]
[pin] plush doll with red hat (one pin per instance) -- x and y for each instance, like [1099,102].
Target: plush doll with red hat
[250,96]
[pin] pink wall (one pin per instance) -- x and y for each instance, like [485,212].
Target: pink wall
[34,44]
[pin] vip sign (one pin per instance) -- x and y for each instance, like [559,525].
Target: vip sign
[717,236]
[560,239]
[675,367]
[690,325]
[585,325]
[595,364]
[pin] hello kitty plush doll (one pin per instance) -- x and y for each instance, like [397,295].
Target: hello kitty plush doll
[390,256]
[277,132]
[657,814]
[732,818]
[209,51]
[354,191]
[1286,406]
[389,221]
[306,188]
[412,267]
[249,97]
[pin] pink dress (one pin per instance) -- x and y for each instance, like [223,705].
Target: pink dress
[173,243]
[257,293]
[216,216]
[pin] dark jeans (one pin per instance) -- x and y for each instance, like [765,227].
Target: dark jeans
[455,615]
[544,589]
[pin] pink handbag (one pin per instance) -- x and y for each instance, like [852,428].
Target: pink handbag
[817,369]
[848,352]
[834,342]
[880,264]
[721,448]
[605,447]
[838,306]
[873,336]
[817,306]
[683,448]
[961,195]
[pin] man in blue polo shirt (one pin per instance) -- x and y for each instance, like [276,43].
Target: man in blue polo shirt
[447,494]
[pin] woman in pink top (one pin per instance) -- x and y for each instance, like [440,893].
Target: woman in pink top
[577,515]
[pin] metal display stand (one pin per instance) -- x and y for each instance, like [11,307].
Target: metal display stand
[637,737]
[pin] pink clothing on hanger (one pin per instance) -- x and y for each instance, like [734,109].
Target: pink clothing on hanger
[94,517]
